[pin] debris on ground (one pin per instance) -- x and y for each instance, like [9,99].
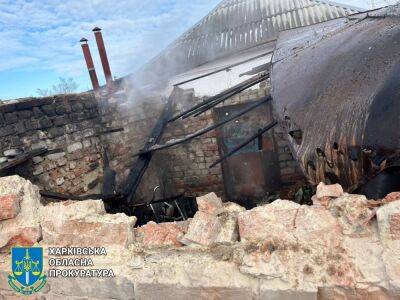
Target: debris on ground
[342,248]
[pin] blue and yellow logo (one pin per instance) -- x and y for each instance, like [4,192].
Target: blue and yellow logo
[27,270]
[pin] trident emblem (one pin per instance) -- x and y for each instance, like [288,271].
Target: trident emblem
[27,267]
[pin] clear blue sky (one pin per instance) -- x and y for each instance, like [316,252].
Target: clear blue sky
[39,38]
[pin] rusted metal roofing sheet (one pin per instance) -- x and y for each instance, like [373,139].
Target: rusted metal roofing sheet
[236,25]
[337,88]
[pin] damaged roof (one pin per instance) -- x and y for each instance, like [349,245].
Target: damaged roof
[237,25]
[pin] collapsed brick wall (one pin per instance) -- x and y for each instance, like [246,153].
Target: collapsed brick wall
[67,124]
[190,162]
[182,168]
[72,126]
[137,118]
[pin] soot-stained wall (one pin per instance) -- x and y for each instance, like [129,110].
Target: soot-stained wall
[183,168]
[73,128]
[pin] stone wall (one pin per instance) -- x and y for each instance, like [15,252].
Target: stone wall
[342,247]
[179,169]
[72,128]
[68,126]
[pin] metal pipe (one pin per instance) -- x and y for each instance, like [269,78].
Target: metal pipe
[180,211]
[89,63]
[103,55]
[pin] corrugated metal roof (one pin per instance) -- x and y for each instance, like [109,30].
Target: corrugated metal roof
[235,25]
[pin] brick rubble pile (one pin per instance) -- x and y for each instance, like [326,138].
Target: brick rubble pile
[342,247]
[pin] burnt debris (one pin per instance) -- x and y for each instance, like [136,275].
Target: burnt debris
[205,130]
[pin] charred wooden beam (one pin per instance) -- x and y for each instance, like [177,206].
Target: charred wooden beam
[134,178]
[260,132]
[111,130]
[21,159]
[65,197]
[144,158]
[222,96]
[202,131]
[54,151]
[108,187]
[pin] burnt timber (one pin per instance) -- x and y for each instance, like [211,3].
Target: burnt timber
[203,131]
[138,170]
[213,101]
[4,167]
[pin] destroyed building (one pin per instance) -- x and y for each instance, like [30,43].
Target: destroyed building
[220,57]
[274,95]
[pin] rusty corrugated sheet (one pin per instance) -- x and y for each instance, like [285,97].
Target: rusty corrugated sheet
[336,87]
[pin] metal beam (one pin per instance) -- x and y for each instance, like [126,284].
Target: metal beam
[246,142]
[223,95]
[204,130]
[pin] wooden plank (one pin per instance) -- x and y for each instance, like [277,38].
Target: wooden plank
[110,130]
[21,159]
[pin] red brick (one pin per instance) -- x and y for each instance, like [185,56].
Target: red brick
[25,237]
[153,235]
[392,197]
[394,226]
[9,206]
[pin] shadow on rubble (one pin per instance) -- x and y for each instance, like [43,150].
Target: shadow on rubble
[384,183]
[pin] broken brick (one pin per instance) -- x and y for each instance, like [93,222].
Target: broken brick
[9,206]
[332,190]
[209,203]
[153,235]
